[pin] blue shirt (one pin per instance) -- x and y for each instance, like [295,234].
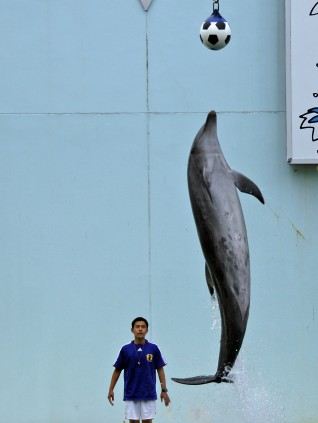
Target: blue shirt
[139,362]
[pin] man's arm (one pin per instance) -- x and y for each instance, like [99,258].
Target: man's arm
[164,391]
[113,382]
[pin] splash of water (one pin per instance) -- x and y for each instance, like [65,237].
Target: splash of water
[258,403]
[216,317]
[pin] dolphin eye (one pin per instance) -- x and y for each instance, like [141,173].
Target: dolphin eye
[313,119]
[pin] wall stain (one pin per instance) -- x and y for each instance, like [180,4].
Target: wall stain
[298,231]
[274,212]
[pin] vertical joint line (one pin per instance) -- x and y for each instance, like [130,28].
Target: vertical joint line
[148,180]
[147,66]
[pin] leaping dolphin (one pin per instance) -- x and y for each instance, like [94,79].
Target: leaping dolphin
[221,228]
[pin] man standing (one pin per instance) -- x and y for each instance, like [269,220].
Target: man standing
[140,360]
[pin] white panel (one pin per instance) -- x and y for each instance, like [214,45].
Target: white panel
[302,81]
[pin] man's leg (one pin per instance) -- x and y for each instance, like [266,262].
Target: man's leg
[132,411]
[148,411]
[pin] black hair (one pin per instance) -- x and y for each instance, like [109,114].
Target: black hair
[139,319]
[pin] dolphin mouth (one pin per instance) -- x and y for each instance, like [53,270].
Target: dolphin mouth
[212,114]
[211,118]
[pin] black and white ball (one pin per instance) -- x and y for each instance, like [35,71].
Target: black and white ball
[215,32]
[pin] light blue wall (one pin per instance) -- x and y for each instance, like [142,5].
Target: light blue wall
[99,105]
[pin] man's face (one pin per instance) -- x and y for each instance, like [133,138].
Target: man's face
[139,330]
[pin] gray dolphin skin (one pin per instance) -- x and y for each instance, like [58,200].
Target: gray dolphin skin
[221,229]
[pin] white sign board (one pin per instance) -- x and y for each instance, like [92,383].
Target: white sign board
[302,81]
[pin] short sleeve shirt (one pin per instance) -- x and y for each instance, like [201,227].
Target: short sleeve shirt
[139,362]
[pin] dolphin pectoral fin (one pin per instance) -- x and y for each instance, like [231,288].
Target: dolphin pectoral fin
[202,380]
[209,280]
[244,184]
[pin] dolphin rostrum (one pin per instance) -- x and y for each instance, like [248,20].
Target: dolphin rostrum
[221,228]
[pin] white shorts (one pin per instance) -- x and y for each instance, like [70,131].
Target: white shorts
[136,410]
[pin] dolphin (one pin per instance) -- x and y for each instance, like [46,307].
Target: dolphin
[221,229]
[310,120]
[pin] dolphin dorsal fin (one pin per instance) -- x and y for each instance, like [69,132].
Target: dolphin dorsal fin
[244,184]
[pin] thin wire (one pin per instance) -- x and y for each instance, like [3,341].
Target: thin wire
[216,6]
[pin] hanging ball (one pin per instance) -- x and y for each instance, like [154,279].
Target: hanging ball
[215,32]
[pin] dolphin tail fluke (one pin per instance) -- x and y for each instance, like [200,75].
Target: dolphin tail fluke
[244,184]
[201,380]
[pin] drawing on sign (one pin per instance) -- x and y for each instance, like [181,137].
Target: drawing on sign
[310,120]
[314,10]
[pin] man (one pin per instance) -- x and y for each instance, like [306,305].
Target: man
[140,360]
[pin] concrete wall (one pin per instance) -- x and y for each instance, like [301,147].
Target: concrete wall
[99,105]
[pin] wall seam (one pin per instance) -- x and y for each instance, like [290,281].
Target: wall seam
[148,112]
[148,183]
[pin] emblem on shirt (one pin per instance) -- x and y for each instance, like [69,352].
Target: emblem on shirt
[149,357]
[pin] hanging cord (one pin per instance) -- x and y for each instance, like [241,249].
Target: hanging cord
[216,6]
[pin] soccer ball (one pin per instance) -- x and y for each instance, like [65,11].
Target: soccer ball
[215,32]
